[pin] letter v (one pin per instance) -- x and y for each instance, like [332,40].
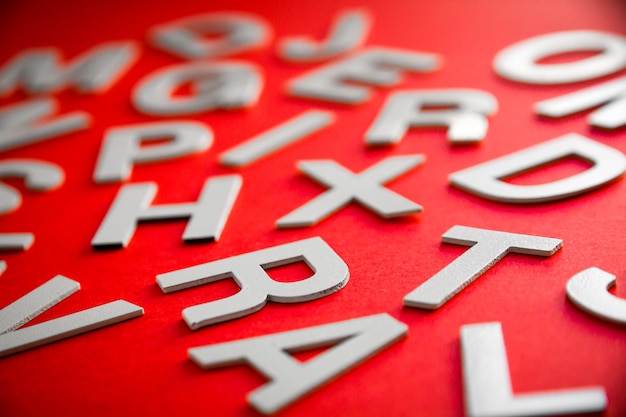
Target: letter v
[41,299]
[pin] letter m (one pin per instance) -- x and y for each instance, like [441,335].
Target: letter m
[42,70]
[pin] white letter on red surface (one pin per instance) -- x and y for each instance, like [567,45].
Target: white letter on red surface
[215,85]
[487,382]
[133,204]
[487,248]
[20,312]
[375,66]
[228,33]
[14,241]
[365,188]
[349,30]
[21,124]
[485,181]
[466,121]
[38,175]
[353,342]
[41,70]
[589,291]
[518,62]
[276,138]
[248,270]
[610,116]
[121,147]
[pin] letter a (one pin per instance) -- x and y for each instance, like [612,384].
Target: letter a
[354,341]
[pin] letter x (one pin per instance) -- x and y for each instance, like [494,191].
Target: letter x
[365,188]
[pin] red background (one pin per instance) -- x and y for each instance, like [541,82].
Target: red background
[140,367]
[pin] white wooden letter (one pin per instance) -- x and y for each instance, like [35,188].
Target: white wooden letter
[353,342]
[41,70]
[14,241]
[38,176]
[466,122]
[365,188]
[13,339]
[610,95]
[133,204]
[374,66]
[487,248]
[349,30]
[121,147]
[487,384]
[211,35]
[485,181]
[215,85]
[22,124]
[588,289]
[248,270]
[518,62]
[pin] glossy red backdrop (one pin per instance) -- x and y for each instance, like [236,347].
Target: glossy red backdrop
[140,367]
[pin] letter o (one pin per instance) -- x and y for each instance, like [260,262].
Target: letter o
[518,62]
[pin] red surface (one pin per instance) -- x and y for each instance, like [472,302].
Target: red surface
[140,367]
